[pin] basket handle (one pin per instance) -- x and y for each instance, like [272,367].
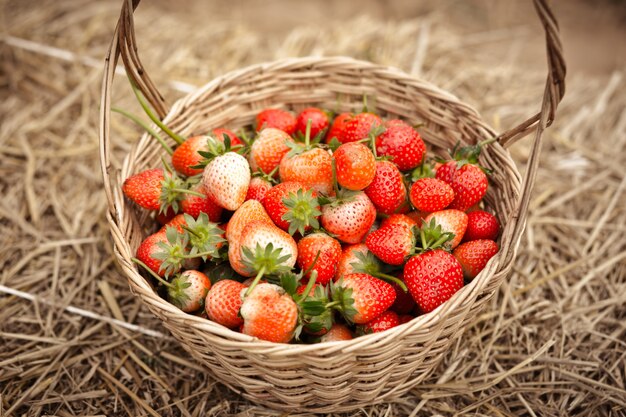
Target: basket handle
[124,44]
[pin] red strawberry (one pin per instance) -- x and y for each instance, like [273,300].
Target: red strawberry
[445,172]
[362,297]
[451,221]
[359,127]
[338,125]
[259,186]
[329,251]
[249,211]
[432,278]
[226,179]
[400,219]
[223,302]
[194,205]
[150,246]
[431,194]
[269,314]
[145,188]
[186,155]
[481,225]
[312,168]
[268,149]
[385,321]
[349,218]
[469,185]
[338,332]
[356,166]
[177,221]
[405,318]
[350,256]
[256,237]
[277,119]
[474,255]
[402,143]
[391,244]
[234,140]
[404,301]
[292,207]
[188,290]
[319,121]
[162,217]
[387,190]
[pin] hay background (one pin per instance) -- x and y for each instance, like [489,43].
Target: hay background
[553,342]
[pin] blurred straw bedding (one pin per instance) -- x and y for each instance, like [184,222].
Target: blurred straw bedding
[552,342]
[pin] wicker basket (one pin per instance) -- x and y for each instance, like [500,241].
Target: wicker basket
[334,376]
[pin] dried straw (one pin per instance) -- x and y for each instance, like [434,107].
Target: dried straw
[551,344]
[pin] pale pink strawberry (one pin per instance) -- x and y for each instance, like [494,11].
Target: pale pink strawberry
[226,179]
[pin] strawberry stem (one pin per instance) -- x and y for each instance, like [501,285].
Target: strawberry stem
[486,142]
[373,143]
[307,134]
[332,304]
[152,116]
[197,255]
[255,282]
[191,192]
[391,278]
[151,272]
[145,127]
[309,285]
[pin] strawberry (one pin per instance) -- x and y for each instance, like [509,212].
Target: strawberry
[249,211]
[292,207]
[223,302]
[188,290]
[467,178]
[186,157]
[269,313]
[405,318]
[150,246]
[312,168]
[417,216]
[359,127]
[349,217]
[474,255]
[431,194]
[387,190]
[391,244]
[277,119]
[434,275]
[226,179]
[385,321]
[451,221]
[162,217]
[350,257]
[337,126]
[400,219]
[268,149]
[194,205]
[356,165]
[338,332]
[362,297]
[265,249]
[402,143]
[234,140]
[325,263]
[319,121]
[145,188]
[259,186]
[469,185]
[404,301]
[177,221]
[481,225]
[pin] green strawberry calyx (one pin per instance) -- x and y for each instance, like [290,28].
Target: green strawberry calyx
[216,148]
[173,190]
[464,155]
[263,260]
[431,236]
[342,296]
[172,253]
[205,237]
[177,291]
[368,264]
[302,211]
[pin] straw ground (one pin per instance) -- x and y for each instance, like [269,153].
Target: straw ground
[74,341]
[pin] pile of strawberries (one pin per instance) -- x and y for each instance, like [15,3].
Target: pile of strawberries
[316,228]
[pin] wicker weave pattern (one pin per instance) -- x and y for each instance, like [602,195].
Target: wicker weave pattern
[335,376]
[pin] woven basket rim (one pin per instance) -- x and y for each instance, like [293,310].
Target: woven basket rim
[431,319]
